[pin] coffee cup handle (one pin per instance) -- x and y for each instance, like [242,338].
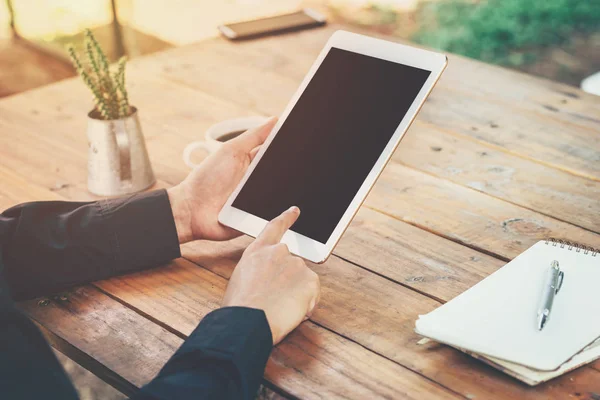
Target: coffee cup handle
[189,149]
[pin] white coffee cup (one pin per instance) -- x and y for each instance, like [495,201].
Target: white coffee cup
[220,133]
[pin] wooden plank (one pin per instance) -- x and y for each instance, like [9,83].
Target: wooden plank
[553,192]
[47,165]
[389,247]
[50,122]
[529,191]
[562,146]
[457,158]
[465,215]
[350,305]
[16,189]
[84,325]
[554,101]
[551,100]
[560,205]
[164,144]
[23,67]
[63,109]
[365,254]
[437,267]
[86,382]
[165,151]
[474,106]
[312,360]
[158,285]
[125,376]
[525,115]
[67,103]
[564,186]
[441,269]
[179,295]
[380,315]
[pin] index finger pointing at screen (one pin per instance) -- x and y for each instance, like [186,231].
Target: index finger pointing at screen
[274,231]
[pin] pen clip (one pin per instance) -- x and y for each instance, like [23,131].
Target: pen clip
[561,278]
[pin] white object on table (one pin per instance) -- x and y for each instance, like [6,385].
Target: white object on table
[591,84]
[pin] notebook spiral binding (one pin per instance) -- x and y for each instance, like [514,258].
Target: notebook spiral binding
[572,246]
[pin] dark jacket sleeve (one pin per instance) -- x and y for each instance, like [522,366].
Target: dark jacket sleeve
[224,358]
[50,246]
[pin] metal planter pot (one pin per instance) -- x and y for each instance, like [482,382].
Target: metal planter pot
[118,161]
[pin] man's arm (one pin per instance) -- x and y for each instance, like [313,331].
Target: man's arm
[50,246]
[71,243]
[224,358]
[270,292]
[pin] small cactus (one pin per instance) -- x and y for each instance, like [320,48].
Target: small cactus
[107,88]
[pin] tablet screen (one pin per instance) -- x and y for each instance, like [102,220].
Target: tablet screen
[331,140]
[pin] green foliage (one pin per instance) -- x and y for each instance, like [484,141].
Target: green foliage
[107,88]
[506,32]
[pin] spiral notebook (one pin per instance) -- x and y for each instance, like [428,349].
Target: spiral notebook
[495,320]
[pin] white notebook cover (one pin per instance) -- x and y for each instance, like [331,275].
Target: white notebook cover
[533,376]
[497,317]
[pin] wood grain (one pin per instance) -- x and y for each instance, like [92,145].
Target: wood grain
[549,190]
[466,100]
[427,208]
[312,361]
[564,146]
[457,158]
[112,341]
[441,269]
[495,84]
[457,283]
[52,136]
[29,147]
[466,215]
[552,101]
[551,194]
[380,316]
[179,295]
[564,196]
[23,67]
[165,144]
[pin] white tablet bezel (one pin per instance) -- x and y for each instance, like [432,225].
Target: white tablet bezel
[304,246]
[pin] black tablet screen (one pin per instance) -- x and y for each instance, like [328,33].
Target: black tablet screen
[331,140]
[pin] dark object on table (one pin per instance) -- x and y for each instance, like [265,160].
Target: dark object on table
[303,19]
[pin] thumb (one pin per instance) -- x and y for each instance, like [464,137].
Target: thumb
[256,136]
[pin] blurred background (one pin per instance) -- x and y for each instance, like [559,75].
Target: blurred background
[555,39]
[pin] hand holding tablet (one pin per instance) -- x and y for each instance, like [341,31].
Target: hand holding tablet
[333,140]
[197,201]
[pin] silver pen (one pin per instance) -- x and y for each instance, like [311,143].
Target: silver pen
[552,285]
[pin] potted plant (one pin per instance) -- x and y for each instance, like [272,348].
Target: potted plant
[118,160]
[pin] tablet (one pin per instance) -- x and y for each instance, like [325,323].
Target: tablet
[333,140]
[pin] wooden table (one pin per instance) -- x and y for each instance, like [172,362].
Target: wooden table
[495,161]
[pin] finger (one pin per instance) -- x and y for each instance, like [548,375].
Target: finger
[254,152]
[275,229]
[256,136]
